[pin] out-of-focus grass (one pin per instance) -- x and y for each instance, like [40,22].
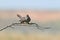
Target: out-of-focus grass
[32,36]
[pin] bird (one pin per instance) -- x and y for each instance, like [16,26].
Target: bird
[26,19]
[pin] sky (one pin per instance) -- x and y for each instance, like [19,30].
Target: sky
[31,4]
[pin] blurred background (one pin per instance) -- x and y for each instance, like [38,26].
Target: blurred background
[46,13]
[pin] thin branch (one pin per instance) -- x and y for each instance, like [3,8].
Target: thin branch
[20,25]
[35,24]
[38,27]
[5,28]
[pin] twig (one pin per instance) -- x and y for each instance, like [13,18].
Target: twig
[20,25]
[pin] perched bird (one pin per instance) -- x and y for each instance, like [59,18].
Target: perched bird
[26,19]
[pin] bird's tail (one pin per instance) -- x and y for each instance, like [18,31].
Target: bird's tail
[19,16]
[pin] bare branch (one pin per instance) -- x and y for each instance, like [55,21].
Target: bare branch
[20,25]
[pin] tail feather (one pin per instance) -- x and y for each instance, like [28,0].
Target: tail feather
[19,16]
